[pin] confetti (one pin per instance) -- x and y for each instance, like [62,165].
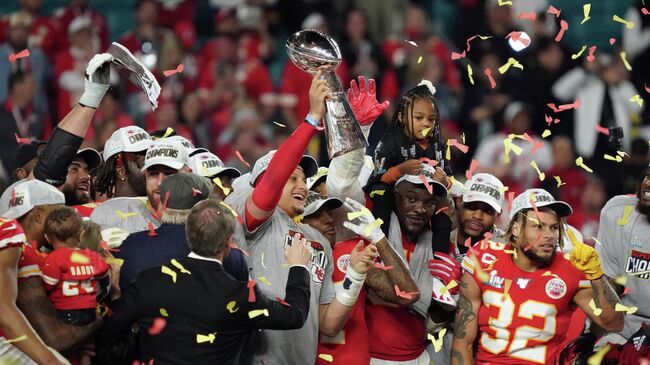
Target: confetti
[16,56]
[597,358]
[402,294]
[521,39]
[377,192]
[546,133]
[114,261]
[553,10]
[616,158]
[239,218]
[357,214]
[437,342]
[457,56]
[217,181]
[258,312]
[576,55]
[282,301]
[239,156]
[432,163]
[168,132]
[559,181]
[168,271]
[591,57]
[472,167]
[232,306]
[157,326]
[461,147]
[123,215]
[510,146]
[580,163]
[586,8]
[441,210]
[505,2]
[621,308]
[597,311]
[326,357]
[374,225]
[177,70]
[425,132]
[469,74]
[420,59]
[163,312]
[280,125]
[482,37]
[621,280]
[563,28]
[536,145]
[264,280]
[152,231]
[17,339]
[645,11]
[624,58]
[540,174]
[618,19]
[511,196]
[637,99]
[180,267]
[647,88]
[79,258]
[411,43]
[627,210]
[601,129]
[612,41]
[532,202]
[206,338]
[512,252]
[488,73]
[22,140]
[527,15]
[251,293]
[550,120]
[511,63]
[468,242]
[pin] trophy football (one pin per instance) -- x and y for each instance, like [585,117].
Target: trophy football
[310,51]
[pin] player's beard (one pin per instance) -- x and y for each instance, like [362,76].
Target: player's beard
[73,198]
[545,261]
[643,209]
[137,183]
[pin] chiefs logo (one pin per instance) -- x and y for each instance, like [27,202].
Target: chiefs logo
[556,288]
[343,262]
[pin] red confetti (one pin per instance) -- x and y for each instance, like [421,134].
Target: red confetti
[152,232]
[553,10]
[441,209]
[402,294]
[22,140]
[550,120]
[457,56]
[532,202]
[645,11]
[516,36]
[612,41]
[468,242]
[196,192]
[528,247]
[576,105]
[16,56]
[239,156]
[527,15]
[536,145]
[157,326]
[106,247]
[511,196]
[487,235]
[460,146]
[432,163]
[563,28]
[425,181]
[626,291]
[647,88]
[251,293]
[281,301]
[488,73]
[602,129]
[177,70]
[591,56]
[472,167]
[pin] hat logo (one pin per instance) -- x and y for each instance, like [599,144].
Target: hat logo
[166,152]
[541,198]
[485,189]
[210,163]
[16,201]
[137,137]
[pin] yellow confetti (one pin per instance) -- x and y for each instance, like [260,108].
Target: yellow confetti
[504,2]
[298,218]
[482,275]
[580,163]
[469,74]
[597,358]
[512,252]
[420,59]
[374,225]
[637,99]
[621,308]
[448,152]
[113,260]
[357,214]
[626,214]
[206,338]
[510,146]
[540,174]
[511,63]
[576,55]
[621,280]
[229,208]
[122,215]
[258,312]
[217,181]
[17,339]
[586,8]
[437,342]
[232,306]
[377,192]
[597,311]
[452,284]
[163,312]
[168,132]
[425,132]
[624,58]
[168,271]
[616,158]
[546,133]
[622,154]
[204,170]
[559,181]
[548,273]
[264,280]
[79,258]
[628,25]
[180,267]
[279,124]
[326,357]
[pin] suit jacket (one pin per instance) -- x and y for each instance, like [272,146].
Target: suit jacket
[208,313]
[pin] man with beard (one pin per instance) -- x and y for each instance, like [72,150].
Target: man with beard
[624,244]
[518,296]
[77,182]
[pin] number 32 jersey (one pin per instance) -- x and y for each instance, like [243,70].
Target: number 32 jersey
[524,316]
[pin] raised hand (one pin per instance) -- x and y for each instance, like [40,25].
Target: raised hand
[318,93]
[368,226]
[362,259]
[364,102]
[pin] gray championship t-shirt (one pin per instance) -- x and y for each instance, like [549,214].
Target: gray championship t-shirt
[624,249]
[129,214]
[269,269]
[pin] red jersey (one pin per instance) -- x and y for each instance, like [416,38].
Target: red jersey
[524,316]
[70,277]
[397,333]
[351,345]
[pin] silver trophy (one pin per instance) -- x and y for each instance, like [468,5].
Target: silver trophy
[311,51]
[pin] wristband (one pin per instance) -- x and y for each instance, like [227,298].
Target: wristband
[313,121]
[93,94]
[348,292]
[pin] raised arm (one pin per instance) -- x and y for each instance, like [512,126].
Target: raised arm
[268,190]
[466,321]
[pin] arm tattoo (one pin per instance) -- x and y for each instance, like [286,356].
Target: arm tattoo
[463,316]
[595,295]
[610,294]
[455,354]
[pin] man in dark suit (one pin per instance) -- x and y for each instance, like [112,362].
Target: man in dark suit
[191,311]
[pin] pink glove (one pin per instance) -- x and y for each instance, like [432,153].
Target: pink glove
[446,269]
[364,102]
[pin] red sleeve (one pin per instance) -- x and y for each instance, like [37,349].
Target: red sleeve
[11,234]
[51,268]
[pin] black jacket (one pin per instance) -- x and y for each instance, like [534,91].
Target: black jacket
[201,326]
